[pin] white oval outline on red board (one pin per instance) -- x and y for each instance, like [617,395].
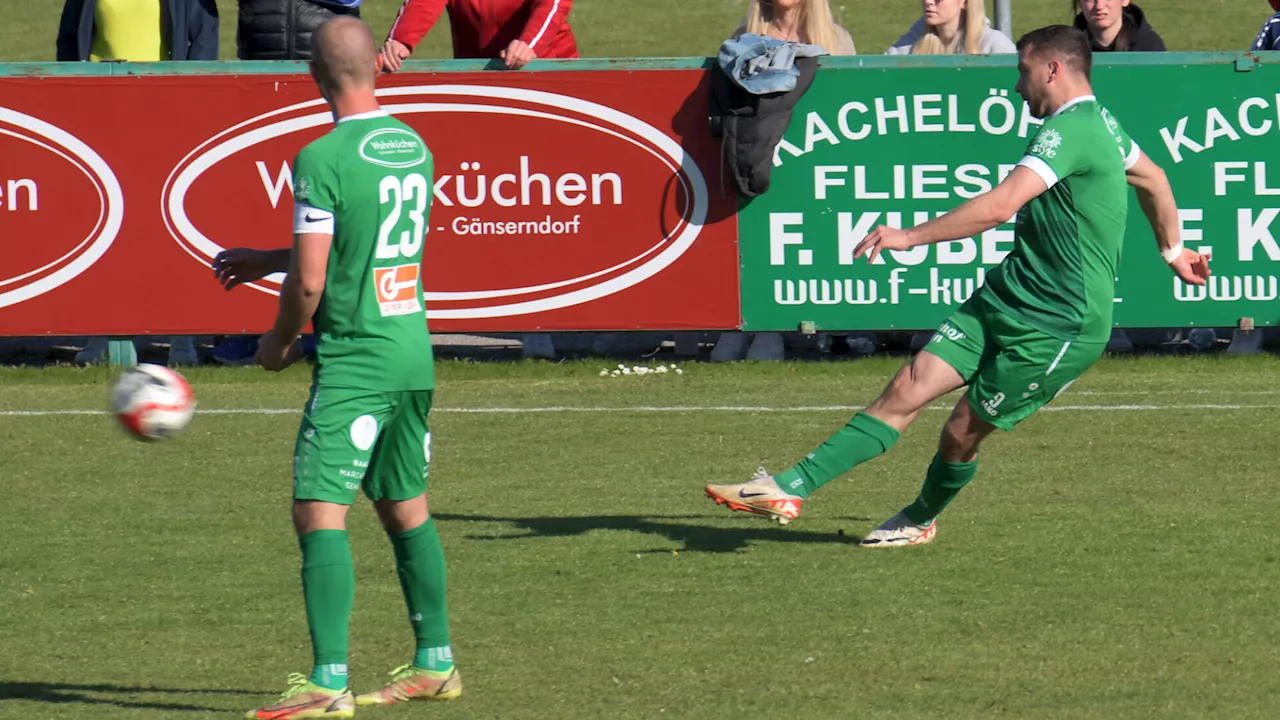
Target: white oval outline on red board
[96,187]
[685,233]
[106,184]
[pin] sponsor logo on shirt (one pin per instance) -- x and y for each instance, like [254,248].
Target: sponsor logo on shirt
[948,332]
[397,289]
[1047,143]
[393,148]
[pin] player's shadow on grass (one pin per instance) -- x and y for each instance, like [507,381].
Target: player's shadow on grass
[112,695]
[696,538]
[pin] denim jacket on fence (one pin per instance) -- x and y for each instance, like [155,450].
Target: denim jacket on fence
[761,65]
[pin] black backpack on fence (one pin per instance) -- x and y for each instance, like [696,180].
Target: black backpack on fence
[750,126]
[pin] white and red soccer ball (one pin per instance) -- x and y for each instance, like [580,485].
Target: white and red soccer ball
[152,402]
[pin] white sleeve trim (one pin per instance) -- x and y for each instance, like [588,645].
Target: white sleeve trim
[399,16]
[1041,168]
[545,23]
[1135,152]
[311,219]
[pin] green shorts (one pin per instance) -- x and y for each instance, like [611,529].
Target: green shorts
[351,439]
[1012,369]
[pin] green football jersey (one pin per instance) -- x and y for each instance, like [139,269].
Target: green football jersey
[369,182]
[1060,277]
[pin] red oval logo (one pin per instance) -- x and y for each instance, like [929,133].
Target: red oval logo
[541,200]
[60,205]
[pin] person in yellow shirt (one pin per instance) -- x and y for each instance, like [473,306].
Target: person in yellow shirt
[138,30]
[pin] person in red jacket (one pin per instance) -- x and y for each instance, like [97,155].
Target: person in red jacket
[516,31]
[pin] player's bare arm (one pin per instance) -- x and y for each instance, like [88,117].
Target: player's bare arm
[237,266]
[1155,195]
[299,297]
[975,216]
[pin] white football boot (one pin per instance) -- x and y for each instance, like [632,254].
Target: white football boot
[900,531]
[759,496]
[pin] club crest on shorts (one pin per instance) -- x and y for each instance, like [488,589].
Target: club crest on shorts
[364,431]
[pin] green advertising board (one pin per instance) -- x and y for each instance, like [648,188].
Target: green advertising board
[898,141]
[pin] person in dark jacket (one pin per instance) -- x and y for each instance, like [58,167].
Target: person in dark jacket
[281,29]
[276,30]
[1269,36]
[1116,26]
[107,30]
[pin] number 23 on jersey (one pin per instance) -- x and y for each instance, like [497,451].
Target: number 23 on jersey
[404,202]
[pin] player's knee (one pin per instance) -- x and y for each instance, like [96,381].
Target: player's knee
[312,515]
[958,444]
[399,516]
[903,394]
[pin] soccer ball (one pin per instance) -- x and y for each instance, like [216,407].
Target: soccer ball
[152,402]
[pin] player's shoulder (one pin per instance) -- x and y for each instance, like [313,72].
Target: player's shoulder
[1079,112]
[1084,119]
[1109,118]
[322,149]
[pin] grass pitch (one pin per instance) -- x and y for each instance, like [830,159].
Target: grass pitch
[1112,560]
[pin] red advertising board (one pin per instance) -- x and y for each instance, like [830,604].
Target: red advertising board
[567,200]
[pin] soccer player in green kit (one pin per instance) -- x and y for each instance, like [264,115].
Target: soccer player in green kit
[362,193]
[1042,318]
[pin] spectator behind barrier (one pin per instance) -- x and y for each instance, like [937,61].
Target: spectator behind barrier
[282,29]
[802,21]
[1269,36]
[807,22]
[139,31]
[952,27]
[1116,26]
[277,30]
[516,31]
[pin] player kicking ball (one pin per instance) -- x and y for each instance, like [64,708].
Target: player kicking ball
[1043,316]
[361,194]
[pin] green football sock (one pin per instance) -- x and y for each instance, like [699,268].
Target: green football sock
[864,438]
[329,590]
[435,659]
[941,485]
[420,565]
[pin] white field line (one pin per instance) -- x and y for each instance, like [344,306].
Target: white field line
[1187,391]
[680,409]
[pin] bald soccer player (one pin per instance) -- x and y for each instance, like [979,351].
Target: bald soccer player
[361,194]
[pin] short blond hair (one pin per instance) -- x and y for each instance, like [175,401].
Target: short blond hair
[816,22]
[973,22]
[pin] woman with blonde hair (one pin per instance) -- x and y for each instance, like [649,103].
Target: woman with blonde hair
[952,27]
[809,22]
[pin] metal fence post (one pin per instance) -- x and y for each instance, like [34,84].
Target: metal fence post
[1004,17]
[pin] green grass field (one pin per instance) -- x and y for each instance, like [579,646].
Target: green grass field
[1111,560]
[684,28]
